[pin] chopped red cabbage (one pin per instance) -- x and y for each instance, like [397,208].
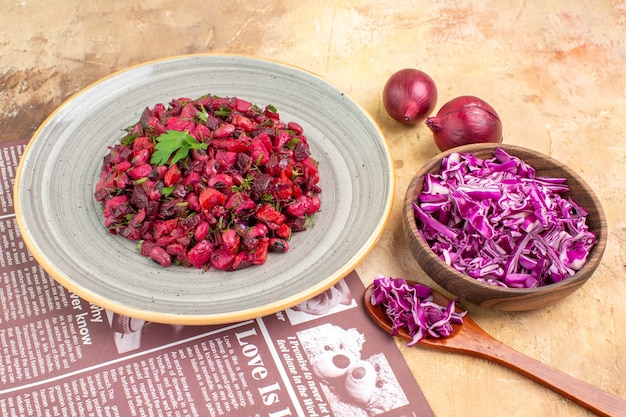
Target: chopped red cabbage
[411,307]
[496,221]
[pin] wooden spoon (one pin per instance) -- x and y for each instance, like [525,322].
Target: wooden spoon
[470,339]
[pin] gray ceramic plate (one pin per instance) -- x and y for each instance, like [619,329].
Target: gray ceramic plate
[62,226]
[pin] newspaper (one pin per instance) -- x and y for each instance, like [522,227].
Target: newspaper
[63,356]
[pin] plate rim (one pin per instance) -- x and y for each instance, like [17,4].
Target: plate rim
[199,319]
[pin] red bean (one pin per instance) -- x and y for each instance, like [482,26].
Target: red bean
[278,245]
[224,131]
[160,255]
[140,171]
[201,231]
[200,254]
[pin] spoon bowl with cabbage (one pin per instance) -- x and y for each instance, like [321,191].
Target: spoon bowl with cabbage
[420,315]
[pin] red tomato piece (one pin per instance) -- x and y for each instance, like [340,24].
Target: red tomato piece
[258,254]
[243,122]
[210,197]
[232,145]
[172,175]
[283,231]
[270,215]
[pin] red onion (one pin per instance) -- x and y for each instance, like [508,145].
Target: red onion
[464,120]
[409,96]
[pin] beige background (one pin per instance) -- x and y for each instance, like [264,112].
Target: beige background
[554,70]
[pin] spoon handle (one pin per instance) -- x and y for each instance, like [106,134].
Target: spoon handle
[601,402]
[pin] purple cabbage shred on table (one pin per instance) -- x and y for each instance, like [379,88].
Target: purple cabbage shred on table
[496,221]
[411,307]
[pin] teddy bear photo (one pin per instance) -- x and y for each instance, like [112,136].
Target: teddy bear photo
[335,299]
[331,350]
[372,385]
[353,386]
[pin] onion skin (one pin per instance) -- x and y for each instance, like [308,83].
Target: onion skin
[464,120]
[409,96]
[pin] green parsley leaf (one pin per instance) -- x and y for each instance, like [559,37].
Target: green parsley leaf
[174,141]
[128,139]
[295,173]
[292,143]
[167,190]
[203,115]
[223,111]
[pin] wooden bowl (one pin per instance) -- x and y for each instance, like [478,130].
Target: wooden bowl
[496,297]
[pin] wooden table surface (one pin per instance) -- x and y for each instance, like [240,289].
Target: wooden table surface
[553,70]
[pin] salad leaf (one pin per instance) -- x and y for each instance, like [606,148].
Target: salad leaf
[174,142]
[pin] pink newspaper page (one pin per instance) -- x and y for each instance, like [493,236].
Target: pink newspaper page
[63,356]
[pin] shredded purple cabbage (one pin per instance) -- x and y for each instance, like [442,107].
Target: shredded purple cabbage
[496,221]
[412,308]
